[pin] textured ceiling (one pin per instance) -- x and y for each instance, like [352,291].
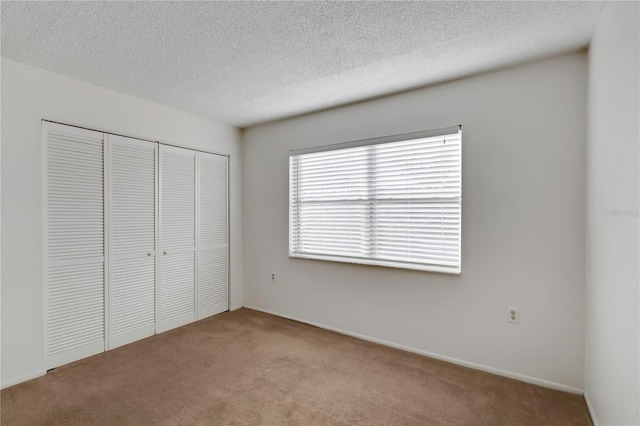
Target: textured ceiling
[249,62]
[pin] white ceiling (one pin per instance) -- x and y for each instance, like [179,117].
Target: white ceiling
[245,63]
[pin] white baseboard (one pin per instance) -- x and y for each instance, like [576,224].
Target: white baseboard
[235,308]
[592,412]
[485,368]
[14,382]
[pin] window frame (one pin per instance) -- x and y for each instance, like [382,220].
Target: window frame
[420,266]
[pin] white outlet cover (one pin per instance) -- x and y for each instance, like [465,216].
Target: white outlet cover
[513,315]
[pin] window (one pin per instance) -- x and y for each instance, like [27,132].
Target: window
[392,201]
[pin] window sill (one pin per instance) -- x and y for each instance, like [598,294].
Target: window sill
[384,263]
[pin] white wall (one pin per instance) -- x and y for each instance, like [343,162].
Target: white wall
[30,94]
[523,225]
[613,183]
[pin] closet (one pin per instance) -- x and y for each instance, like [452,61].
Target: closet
[135,241]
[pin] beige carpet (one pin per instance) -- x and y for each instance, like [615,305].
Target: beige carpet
[246,367]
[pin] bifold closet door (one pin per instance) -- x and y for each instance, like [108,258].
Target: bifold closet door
[74,257]
[177,261]
[213,294]
[131,225]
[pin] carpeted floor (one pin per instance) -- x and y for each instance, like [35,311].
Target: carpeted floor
[246,367]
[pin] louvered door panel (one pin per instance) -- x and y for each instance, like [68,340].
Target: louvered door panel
[213,296]
[178,290]
[132,226]
[178,198]
[132,301]
[74,246]
[212,234]
[176,298]
[75,307]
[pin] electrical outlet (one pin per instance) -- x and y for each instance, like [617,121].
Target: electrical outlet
[513,315]
[273,277]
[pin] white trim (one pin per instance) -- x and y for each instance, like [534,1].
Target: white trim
[512,375]
[30,376]
[592,411]
[235,308]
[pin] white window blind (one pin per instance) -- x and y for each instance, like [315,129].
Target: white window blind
[392,201]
